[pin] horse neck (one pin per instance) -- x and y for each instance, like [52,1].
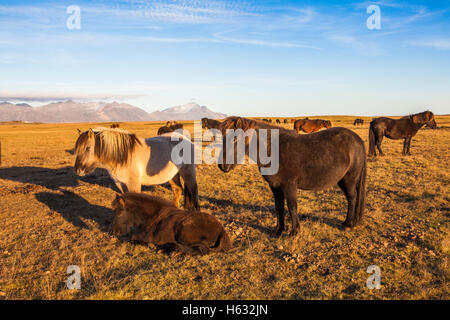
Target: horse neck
[263,145]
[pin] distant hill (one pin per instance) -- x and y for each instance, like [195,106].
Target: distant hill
[70,111]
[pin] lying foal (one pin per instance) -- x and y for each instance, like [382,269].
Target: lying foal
[153,220]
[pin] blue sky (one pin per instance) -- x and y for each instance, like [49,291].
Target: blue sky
[250,58]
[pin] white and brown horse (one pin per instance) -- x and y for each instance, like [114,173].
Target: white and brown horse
[132,161]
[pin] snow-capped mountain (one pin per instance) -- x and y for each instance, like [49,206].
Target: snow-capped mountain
[70,111]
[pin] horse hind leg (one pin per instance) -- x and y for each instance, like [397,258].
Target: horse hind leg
[190,188]
[290,192]
[177,187]
[348,186]
[378,143]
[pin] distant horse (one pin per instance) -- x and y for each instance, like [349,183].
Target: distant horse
[114,126]
[309,126]
[358,122]
[278,121]
[132,161]
[151,219]
[315,161]
[210,124]
[170,126]
[403,128]
[285,121]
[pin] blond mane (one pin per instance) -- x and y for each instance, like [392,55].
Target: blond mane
[113,146]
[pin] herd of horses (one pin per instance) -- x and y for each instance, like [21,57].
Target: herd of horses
[313,161]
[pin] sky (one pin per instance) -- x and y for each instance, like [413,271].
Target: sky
[248,58]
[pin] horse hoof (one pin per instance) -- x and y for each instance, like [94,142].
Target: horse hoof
[277,233]
[347,226]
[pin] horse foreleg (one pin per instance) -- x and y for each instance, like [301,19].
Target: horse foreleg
[290,192]
[278,196]
[134,185]
[119,186]
[176,186]
[408,152]
[405,146]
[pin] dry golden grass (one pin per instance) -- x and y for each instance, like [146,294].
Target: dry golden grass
[50,219]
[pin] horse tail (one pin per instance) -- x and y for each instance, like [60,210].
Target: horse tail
[361,192]
[371,140]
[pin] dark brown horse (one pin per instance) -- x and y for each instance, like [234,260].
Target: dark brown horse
[170,126]
[403,128]
[151,219]
[309,126]
[315,161]
[210,124]
[115,125]
[358,122]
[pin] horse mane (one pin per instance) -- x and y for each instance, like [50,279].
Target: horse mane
[246,124]
[421,117]
[113,146]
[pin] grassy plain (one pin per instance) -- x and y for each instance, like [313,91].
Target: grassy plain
[50,219]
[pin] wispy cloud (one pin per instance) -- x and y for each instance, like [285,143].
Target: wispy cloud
[442,44]
[60,95]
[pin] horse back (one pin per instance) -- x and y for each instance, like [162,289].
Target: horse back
[319,160]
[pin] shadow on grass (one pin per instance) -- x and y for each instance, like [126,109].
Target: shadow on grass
[74,208]
[54,179]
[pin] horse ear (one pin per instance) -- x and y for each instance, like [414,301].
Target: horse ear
[239,122]
[79,131]
[90,133]
[118,202]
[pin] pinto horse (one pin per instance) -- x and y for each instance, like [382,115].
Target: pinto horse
[132,161]
[403,128]
[309,126]
[314,161]
[151,219]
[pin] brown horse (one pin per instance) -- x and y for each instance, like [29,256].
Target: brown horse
[358,122]
[315,161]
[151,219]
[403,128]
[114,126]
[170,126]
[309,126]
[211,124]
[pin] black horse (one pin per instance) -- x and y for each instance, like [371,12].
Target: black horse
[313,161]
[403,128]
[358,122]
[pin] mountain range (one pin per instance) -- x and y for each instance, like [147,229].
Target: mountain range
[71,111]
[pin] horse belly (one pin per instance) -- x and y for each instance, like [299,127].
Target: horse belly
[318,183]
[164,175]
[320,177]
